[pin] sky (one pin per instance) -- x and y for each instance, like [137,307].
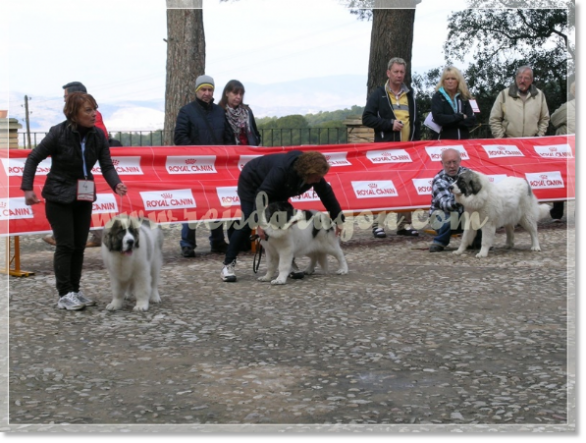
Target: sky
[117,49]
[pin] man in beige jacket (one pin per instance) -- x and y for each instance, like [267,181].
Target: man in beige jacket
[520,110]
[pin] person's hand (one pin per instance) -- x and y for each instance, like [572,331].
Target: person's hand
[397,125]
[121,189]
[30,198]
[261,234]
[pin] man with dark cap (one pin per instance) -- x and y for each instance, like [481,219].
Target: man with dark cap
[202,122]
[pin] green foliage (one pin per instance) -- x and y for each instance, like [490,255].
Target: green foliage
[502,40]
[325,127]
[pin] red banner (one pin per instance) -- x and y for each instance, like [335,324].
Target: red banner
[190,183]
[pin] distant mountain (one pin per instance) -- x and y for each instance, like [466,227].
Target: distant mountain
[306,96]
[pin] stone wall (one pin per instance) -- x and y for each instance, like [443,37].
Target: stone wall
[357,132]
[9,133]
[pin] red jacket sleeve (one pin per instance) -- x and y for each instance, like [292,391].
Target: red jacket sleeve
[100,124]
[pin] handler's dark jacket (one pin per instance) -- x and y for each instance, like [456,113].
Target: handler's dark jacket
[275,175]
[379,115]
[63,144]
[454,125]
[195,120]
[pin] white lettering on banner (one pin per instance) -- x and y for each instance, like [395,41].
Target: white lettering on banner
[545,180]
[172,199]
[308,196]
[123,166]
[422,185]
[245,159]
[14,167]
[435,152]
[554,151]
[228,196]
[105,204]
[374,189]
[496,151]
[14,209]
[389,156]
[337,159]
[195,164]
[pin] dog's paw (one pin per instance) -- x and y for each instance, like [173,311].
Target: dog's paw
[278,282]
[140,307]
[342,271]
[309,271]
[457,252]
[155,297]
[481,254]
[264,278]
[536,248]
[113,306]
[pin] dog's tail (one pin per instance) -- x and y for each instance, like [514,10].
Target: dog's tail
[543,211]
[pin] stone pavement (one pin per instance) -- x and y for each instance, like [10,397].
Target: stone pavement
[407,341]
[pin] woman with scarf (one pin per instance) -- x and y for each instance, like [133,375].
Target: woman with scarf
[239,115]
[450,107]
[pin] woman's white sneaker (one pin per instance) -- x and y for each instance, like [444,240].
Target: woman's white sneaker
[83,299]
[70,302]
[228,272]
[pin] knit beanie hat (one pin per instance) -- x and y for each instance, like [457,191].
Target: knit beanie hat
[204,80]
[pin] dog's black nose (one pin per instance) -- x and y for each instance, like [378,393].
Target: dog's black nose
[129,242]
[451,187]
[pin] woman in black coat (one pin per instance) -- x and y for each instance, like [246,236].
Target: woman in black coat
[69,192]
[450,107]
[239,115]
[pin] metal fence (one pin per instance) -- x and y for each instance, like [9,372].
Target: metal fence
[270,137]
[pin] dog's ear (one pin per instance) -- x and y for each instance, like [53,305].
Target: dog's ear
[475,186]
[107,238]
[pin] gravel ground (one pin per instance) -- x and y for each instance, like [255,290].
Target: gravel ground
[408,341]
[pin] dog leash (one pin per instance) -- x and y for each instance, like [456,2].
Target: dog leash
[257,252]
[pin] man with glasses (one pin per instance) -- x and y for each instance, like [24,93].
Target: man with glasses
[443,203]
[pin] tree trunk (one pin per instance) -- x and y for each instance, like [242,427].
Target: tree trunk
[185,62]
[392,36]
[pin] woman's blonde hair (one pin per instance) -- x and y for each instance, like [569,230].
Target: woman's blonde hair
[462,87]
[311,163]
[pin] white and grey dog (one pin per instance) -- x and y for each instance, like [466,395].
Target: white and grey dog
[491,206]
[132,253]
[296,233]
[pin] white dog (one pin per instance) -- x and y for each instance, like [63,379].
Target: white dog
[491,206]
[132,253]
[291,234]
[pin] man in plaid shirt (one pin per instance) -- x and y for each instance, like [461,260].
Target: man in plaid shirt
[443,202]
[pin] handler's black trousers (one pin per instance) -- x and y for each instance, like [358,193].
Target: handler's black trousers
[70,224]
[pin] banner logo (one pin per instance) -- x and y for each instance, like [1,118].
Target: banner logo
[123,166]
[374,189]
[172,199]
[389,156]
[14,167]
[204,164]
[105,204]
[228,196]
[494,179]
[545,180]
[435,152]
[245,159]
[554,151]
[14,209]
[422,185]
[337,159]
[496,151]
